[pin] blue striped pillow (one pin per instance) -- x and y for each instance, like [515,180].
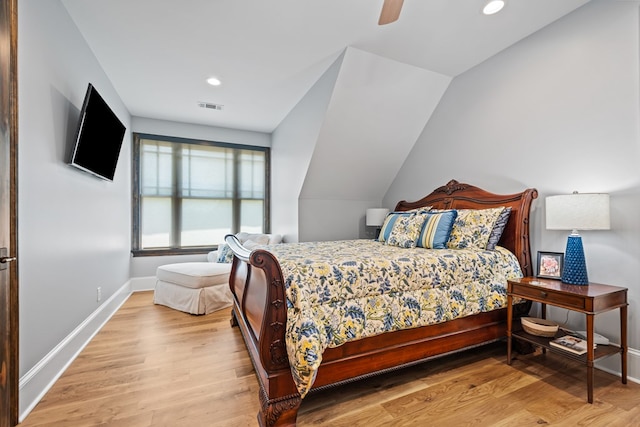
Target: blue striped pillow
[388,223]
[436,229]
[405,231]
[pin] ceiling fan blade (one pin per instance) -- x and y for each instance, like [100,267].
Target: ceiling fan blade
[390,11]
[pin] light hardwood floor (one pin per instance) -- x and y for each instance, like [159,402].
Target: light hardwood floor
[153,366]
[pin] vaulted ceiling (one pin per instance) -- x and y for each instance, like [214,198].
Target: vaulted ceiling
[268,54]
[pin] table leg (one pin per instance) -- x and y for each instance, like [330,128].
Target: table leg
[590,357]
[623,342]
[543,315]
[509,326]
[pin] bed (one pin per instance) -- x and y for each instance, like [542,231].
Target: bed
[273,292]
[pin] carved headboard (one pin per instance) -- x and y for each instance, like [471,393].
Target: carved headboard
[456,195]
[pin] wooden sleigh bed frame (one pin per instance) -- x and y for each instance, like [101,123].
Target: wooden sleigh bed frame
[259,309]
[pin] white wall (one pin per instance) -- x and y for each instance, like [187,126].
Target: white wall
[74,229]
[293,142]
[339,149]
[334,219]
[205,133]
[558,111]
[377,110]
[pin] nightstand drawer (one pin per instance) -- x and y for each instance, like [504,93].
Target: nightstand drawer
[548,296]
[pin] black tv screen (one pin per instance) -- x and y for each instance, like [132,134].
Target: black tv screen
[99,137]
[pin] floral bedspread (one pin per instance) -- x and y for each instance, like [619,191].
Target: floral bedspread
[346,290]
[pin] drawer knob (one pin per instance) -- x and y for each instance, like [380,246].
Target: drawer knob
[543,294]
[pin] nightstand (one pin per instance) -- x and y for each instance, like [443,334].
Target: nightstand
[590,300]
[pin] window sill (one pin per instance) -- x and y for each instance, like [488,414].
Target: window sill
[172,251]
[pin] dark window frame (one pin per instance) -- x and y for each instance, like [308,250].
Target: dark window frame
[136,250]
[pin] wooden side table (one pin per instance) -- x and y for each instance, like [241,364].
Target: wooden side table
[591,300]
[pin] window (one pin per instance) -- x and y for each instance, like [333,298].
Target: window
[188,194]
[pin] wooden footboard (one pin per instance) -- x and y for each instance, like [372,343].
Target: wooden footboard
[259,309]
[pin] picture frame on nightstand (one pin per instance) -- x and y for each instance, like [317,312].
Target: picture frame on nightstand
[550,265]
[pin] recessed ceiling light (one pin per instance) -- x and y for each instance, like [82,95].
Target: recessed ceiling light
[213,81]
[493,6]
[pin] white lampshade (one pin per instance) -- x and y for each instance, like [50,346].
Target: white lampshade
[578,211]
[376,216]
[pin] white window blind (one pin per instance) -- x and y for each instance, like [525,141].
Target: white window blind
[192,194]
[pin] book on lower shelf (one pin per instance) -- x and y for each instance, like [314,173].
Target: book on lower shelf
[570,343]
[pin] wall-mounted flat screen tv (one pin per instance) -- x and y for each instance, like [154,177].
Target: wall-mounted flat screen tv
[99,137]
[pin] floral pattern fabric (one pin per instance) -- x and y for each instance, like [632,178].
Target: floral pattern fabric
[472,228]
[225,254]
[406,230]
[346,290]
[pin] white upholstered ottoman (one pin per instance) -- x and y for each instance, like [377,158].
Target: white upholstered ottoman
[193,287]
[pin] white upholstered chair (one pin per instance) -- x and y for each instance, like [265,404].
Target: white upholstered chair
[202,287]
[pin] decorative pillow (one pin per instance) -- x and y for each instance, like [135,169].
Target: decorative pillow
[436,229]
[225,254]
[388,223]
[249,241]
[259,238]
[405,231]
[472,228]
[498,228]
[251,245]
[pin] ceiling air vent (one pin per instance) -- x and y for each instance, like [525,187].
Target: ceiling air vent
[210,106]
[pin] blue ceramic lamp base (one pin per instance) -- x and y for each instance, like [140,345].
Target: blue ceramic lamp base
[574,271]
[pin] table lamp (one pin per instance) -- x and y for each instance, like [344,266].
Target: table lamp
[577,211]
[375,218]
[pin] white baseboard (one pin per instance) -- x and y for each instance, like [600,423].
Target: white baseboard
[612,365]
[143,283]
[35,383]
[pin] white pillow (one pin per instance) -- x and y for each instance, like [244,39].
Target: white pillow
[259,238]
[212,256]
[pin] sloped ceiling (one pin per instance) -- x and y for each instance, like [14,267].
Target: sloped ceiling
[268,54]
[378,108]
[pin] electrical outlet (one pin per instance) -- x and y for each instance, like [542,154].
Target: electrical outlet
[99,294]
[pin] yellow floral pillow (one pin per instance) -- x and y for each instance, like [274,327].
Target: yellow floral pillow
[406,230]
[472,228]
